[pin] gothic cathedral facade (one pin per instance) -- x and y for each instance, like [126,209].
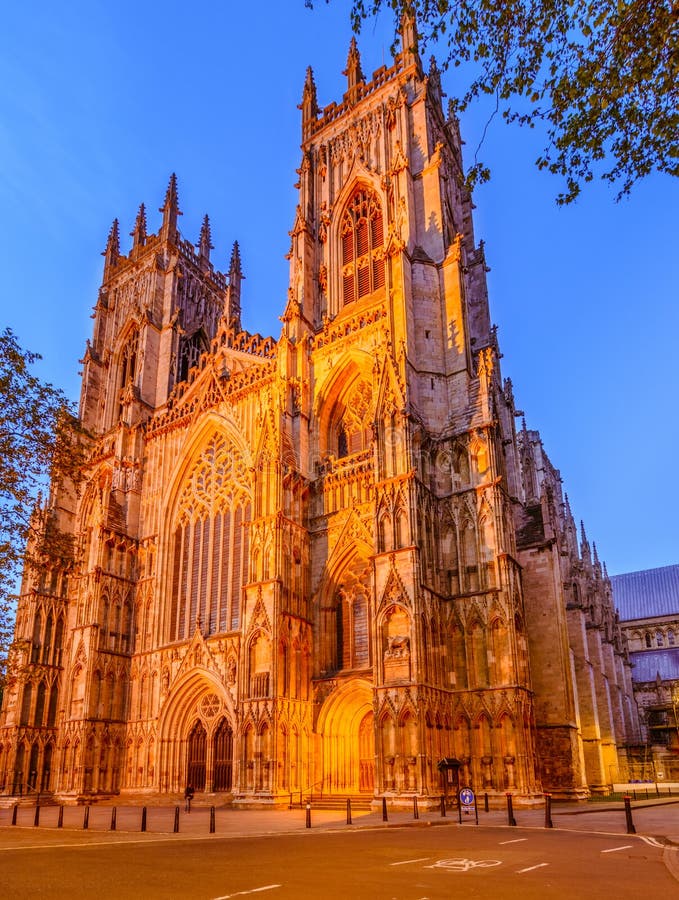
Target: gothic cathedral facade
[329,561]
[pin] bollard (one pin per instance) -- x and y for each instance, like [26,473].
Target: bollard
[510,810]
[548,811]
[416,812]
[212,820]
[60,820]
[308,815]
[14,813]
[384,809]
[175,830]
[634,792]
[349,821]
[36,818]
[114,814]
[143,818]
[443,806]
[86,818]
[628,815]
[485,802]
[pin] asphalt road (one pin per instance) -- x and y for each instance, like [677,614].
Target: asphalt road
[405,863]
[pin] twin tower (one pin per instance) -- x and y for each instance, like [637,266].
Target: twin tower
[328,561]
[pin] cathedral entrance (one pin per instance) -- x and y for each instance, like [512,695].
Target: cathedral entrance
[223,757]
[196,759]
[347,726]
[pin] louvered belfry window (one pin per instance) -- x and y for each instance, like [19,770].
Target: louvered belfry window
[362,235]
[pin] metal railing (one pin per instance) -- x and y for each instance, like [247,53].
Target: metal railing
[309,792]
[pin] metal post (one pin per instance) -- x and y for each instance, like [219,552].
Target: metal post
[384,809]
[86,818]
[176,820]
[14,813]
[349,821]
[114,814]
[443,806]
[143,818]
[510,810]
[60,820]
[212,820]
[416,812]
[548,811]
[485,802]
[308,815]
[36,818]
[628,815]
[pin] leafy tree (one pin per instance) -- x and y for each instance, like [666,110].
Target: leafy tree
[39,438]
[601,75]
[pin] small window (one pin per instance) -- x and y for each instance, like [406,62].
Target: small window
[659,639]
[649,641]
[670,638]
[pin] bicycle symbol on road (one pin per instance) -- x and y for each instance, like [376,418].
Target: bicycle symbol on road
[464,865]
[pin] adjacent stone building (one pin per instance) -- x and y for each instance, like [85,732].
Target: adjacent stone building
[327,561]
[648,604]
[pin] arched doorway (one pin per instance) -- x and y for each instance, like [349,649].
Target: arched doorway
[197,754]
[223,757]
[346,724]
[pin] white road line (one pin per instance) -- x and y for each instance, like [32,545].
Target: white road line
[515,841]
[405,862]
[267,887]
[615,849]
[652,841]
[530,868]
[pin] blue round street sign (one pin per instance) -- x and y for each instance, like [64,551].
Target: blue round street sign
[467,797]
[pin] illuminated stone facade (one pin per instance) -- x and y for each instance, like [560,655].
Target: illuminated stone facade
[326,561]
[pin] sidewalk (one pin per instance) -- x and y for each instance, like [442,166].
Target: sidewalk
[654,818]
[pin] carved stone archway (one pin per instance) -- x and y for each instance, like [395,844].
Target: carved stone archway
[347,729]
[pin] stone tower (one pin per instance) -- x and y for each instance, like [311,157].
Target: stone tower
[328,560]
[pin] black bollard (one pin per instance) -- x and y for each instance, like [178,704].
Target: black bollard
[308,815]
[443,806]
[86,818]
[176,820]
[36,817]
[349,821]
[212,820]
[114,814]
[634,791]
[14,813]
[628,815]
[510,811]
[548,811]
[384,809]
[416,812]
[143,818]
[60,820]
[485,802]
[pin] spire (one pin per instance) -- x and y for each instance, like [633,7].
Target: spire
[139,234]
[353,70]
[597,564]
[170,211]
[309,104]
[233,290]
[205,240]
[112,252]
[584,544]
[408,29]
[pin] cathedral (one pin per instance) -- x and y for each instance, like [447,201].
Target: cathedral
[334,563]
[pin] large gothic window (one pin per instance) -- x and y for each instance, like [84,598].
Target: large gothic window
[210,543]
[362,235]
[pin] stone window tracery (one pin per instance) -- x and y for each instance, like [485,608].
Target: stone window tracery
[362,242]
[210,543]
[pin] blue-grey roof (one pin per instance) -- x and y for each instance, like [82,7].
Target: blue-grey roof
[646,664]
[651,592]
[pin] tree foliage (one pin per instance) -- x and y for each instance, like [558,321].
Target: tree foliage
[601,75]
[39,439]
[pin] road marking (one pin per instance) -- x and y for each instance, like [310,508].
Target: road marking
[464,865]
[405,862]
[530,868]
[652,841]
[267,887]
[615,849]
[515,841]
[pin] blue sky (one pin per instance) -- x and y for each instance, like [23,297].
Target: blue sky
[100,102]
